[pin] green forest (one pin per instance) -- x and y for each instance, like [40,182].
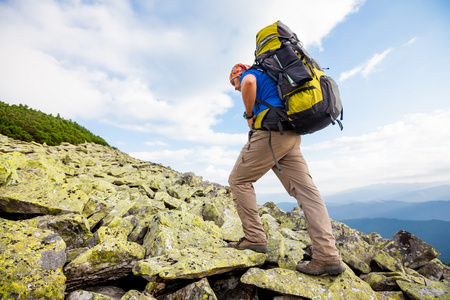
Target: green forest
[26,124]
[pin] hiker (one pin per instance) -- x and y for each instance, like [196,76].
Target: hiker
[256,159]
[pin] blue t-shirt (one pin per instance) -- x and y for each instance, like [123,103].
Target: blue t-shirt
[266,90]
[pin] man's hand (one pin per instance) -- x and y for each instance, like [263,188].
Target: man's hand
[250,122]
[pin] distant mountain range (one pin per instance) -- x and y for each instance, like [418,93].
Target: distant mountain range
[422,211]
[406,192]
[403,192]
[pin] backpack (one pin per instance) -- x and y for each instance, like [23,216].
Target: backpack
[311,98]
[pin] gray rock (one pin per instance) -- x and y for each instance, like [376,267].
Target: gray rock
[200,290]
[412,251]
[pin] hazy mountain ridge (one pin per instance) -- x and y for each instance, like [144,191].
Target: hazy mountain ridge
[408,192]
[422,211]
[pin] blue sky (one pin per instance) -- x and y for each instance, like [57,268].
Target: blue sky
[151,78]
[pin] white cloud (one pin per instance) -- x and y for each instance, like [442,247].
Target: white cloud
[32,77]
[411,41]
[193,158]
[156,143]
[373,62]
[414,147]
[147,66]
[347,74]
[367,68]
[215,174]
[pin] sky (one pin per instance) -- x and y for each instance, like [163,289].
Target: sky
[152,78]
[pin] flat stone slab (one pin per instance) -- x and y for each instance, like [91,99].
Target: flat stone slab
[192,263]
[312,287]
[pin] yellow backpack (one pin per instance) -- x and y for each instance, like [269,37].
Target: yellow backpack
[311,98]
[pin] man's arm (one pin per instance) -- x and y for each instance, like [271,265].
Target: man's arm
[248,89]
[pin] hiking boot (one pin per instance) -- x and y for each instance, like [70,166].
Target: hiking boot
[243,244]
[317,267]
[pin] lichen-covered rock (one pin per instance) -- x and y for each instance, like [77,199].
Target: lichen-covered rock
[436,270]
[231,229]
[31,262]
[144,206]
[110,260]
[72,228]
[294,219]
[24,168]
[96,209]
[8,173]
[391,296]
[354,250]
[178,230]
[345,286]
[121,202]
[42,197]
[136,295]
[387,262]
[211,213]
[86,295]
[231,287]
[181,192]
[386,281]
[431,290]
[200,290]
[284,251]
[108,290]
[192,263]
[120,229]
[412,251]
[168,200]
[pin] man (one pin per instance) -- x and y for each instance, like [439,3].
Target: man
[257,158]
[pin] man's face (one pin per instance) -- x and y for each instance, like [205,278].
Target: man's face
[236,83]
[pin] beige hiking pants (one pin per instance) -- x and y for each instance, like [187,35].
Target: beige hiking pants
[253,162]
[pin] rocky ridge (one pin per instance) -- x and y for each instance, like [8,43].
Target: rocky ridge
[91,222]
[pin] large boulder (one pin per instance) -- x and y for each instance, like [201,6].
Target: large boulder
[31,262]
[72,228]
[412,251]
[42,197]
[174,229]
[193,263]
[430,290]
[111,260]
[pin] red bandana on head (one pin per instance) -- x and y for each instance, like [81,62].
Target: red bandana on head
[237,70]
